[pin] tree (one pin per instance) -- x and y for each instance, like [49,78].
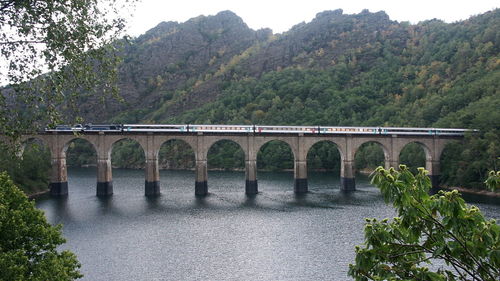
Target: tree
[440,230]
[54,51]
[28,243]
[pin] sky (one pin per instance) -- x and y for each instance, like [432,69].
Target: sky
[281,15]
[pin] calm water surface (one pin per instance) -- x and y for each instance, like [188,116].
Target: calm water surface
[275,235]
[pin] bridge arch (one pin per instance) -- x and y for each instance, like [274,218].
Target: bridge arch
[183,154]
[210,141]
[70,144]
[323,155]
[414,147]
[273,155]
[74,151]
[291,142]
[318,142]
[275,144]
[226,154]
[71,139]
[127,152]
[124,139]
[375,144]
[226,147]
[161,141]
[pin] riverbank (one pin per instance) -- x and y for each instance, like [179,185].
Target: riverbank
[480,192]
[37,194]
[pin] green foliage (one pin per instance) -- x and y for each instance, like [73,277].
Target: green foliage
[431,74]
[439,231]
[69,42]
[127,154]
[370,155]
[324,156]
[28,243]
[80,153]
[31,171]
[275,155]
[493,181]
[176,154]
[359,70]
[226,155]
[413,156]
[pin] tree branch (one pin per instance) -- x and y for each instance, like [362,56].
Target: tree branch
[6,4]
[22,42]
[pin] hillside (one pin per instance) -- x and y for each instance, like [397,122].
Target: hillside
[362,70]
[168,60]
[338,69]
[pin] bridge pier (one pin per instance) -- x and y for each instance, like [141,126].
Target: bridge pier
[392,163]
[201,186]
[300,175]
[434,172]
[347,182]
[104,177]
[251,177]
[152,182]
[59,176]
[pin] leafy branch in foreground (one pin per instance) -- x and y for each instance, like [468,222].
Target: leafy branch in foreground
[28,243]
[493,180]
[53,51]
[439,231]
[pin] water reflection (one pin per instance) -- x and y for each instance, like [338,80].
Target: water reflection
[227,235]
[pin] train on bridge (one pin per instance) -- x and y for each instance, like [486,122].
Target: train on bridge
[255,129]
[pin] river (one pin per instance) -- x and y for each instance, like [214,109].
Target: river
[275,235]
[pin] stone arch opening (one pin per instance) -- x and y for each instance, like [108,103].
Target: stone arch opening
[225,155]
[449,162]
[176,154]
[275,155]
[415,155]
[226,164]
[369,156]
[128,161]
[80,153]
[324,156]
[34,167]
[275,162]
[323,164]
[176,160]
[127,154]
[80,157]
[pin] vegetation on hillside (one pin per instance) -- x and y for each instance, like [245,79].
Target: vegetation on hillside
[31,171]
[351,70]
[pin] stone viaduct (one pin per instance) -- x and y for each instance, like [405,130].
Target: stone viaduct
[58,143]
